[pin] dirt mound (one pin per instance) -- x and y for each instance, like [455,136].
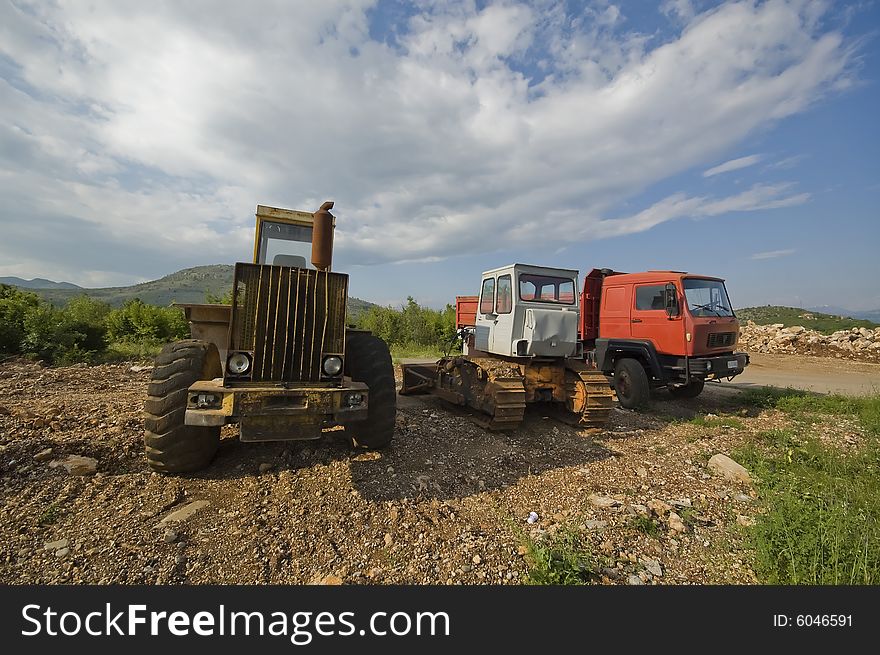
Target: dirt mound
[856,343]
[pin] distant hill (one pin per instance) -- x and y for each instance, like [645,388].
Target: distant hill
[37,283]
[789,316]
[191,285]
[867,315]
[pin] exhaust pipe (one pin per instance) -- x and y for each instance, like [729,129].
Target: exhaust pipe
[322,237]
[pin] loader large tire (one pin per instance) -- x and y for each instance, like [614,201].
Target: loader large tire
[170,445]
[368,360]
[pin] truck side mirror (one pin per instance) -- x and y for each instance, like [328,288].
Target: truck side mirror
[671,300]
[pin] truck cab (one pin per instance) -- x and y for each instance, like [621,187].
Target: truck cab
[527,311]
[660,329]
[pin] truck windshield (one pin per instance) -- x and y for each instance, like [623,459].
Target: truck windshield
[546,288]
[284,244]
[707,297]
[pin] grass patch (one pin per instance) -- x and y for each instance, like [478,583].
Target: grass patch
[558,560]
[646,525]
[126,352]
[822,524]
[51,514]
[399,352]
[717,422]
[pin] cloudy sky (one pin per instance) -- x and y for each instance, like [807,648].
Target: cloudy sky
[735,138]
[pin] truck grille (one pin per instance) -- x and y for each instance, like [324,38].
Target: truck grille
[721,339]
[287,317]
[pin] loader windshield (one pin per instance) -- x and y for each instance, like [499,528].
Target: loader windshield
[284,244]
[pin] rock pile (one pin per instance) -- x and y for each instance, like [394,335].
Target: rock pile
[855,343]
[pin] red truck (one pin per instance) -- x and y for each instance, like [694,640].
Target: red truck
[650,330]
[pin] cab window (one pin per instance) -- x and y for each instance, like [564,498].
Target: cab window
[651,297]
[504,302]
[487,296]
[546,288]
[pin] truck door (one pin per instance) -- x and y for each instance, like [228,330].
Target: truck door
[502,330]
[485,315]
[649,319]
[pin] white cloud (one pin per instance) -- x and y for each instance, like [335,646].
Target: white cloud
[773,254]
[159,127]
[733,165]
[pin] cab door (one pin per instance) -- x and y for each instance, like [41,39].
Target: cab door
[501,340]
[649,320]
[485,315]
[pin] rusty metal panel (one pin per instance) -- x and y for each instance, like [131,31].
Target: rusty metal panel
[287,318]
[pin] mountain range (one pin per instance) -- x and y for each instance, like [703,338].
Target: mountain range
[190,285]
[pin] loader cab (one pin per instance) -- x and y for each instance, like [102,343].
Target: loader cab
[528,311]
[283,237]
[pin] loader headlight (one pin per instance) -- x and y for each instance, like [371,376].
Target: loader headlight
[238,363]
[332,365]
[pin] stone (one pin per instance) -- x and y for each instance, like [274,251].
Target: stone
[594,525]
[56,545]
[604,502]
[62,553]
[332,580]
[44,455]
[185,512]
[653,567]
[642,472]
[639,510]
[140,369]
[745,521]
[79,465]
[388,539]
[169,536]
[724,466]
[659,508]
[675,523]
[477,559]
[634,579]
[264,467]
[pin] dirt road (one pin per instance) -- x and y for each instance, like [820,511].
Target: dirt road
[819,374]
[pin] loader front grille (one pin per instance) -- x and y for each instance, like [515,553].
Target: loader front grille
[287,318]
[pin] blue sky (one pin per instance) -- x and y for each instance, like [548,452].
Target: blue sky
[731,138]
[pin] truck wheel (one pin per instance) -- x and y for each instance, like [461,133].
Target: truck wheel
[171,446]
[367,360]
[691,390]
[631,383]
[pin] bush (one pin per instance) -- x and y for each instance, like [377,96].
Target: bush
[412,325]
[137,322]
[14,308]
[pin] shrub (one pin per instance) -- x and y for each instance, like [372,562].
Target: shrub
[137,322]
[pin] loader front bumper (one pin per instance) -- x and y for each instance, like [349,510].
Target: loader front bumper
[276,413]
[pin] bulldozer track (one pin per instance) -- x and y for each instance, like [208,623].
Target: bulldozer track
[590,398]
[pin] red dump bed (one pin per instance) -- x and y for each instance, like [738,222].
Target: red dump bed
[466,311]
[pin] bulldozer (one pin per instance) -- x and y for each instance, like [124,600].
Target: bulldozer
[280,360]
[520,345]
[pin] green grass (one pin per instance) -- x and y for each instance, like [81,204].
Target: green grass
[645,525]
[789,316]
[51,514]
[717,422]
[413,351]
[126,352]
[558,560]
[822,524]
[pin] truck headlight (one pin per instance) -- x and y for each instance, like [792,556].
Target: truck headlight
[332,365]
[238,363]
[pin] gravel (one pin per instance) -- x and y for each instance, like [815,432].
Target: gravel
[447,504]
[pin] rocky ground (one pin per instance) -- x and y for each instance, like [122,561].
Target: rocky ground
[855,343]
[447,504]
